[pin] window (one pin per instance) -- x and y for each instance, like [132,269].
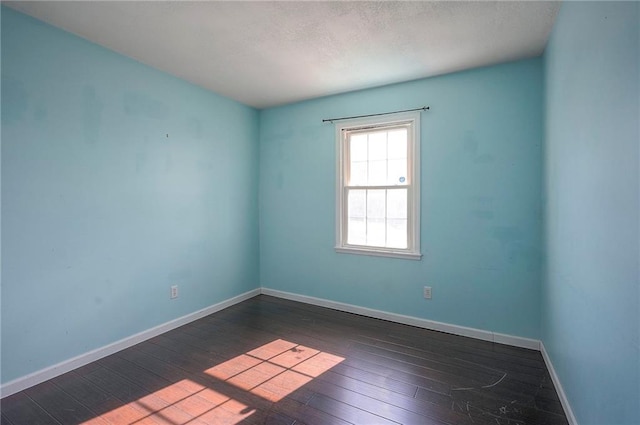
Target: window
[378,186]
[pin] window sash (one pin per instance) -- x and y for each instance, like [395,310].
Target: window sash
[346,148]
[409,218]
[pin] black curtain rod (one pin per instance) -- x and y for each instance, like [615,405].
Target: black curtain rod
[424,108]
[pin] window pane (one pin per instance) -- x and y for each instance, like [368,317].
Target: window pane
[396,233]
[397,172]
[376,203]
[377,173]
[397,203]
[357,203]
[358,173]
[358,147]
[357,233]
[397,144]
[376,231]
[377,217]
[377,145]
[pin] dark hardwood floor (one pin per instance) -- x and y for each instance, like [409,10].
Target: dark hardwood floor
[273,361]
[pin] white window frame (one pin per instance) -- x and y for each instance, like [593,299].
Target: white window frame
[413,208]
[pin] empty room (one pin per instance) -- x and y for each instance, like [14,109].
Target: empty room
[320,213]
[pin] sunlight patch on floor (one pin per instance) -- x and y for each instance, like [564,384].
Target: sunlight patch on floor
[271,371]
[274,370]
[181,403]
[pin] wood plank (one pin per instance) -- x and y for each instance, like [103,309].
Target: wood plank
[438,412]
[61,405]
[346,412]
[19,409]
[310,415]
[110,408]
[4,420]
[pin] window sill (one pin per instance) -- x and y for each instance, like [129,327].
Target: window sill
[379,253]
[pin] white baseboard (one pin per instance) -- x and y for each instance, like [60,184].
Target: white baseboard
[499,338]
[556,383]
[50,372]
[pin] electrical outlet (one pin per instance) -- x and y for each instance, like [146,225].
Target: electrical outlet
[427,292]
[174,291]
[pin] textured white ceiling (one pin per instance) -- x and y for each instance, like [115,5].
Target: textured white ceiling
[270,53]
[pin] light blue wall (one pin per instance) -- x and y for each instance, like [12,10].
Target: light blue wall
[101,210]
[481,201]
[591,296]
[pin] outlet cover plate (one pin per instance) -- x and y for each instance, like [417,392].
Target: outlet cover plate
[427,292]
